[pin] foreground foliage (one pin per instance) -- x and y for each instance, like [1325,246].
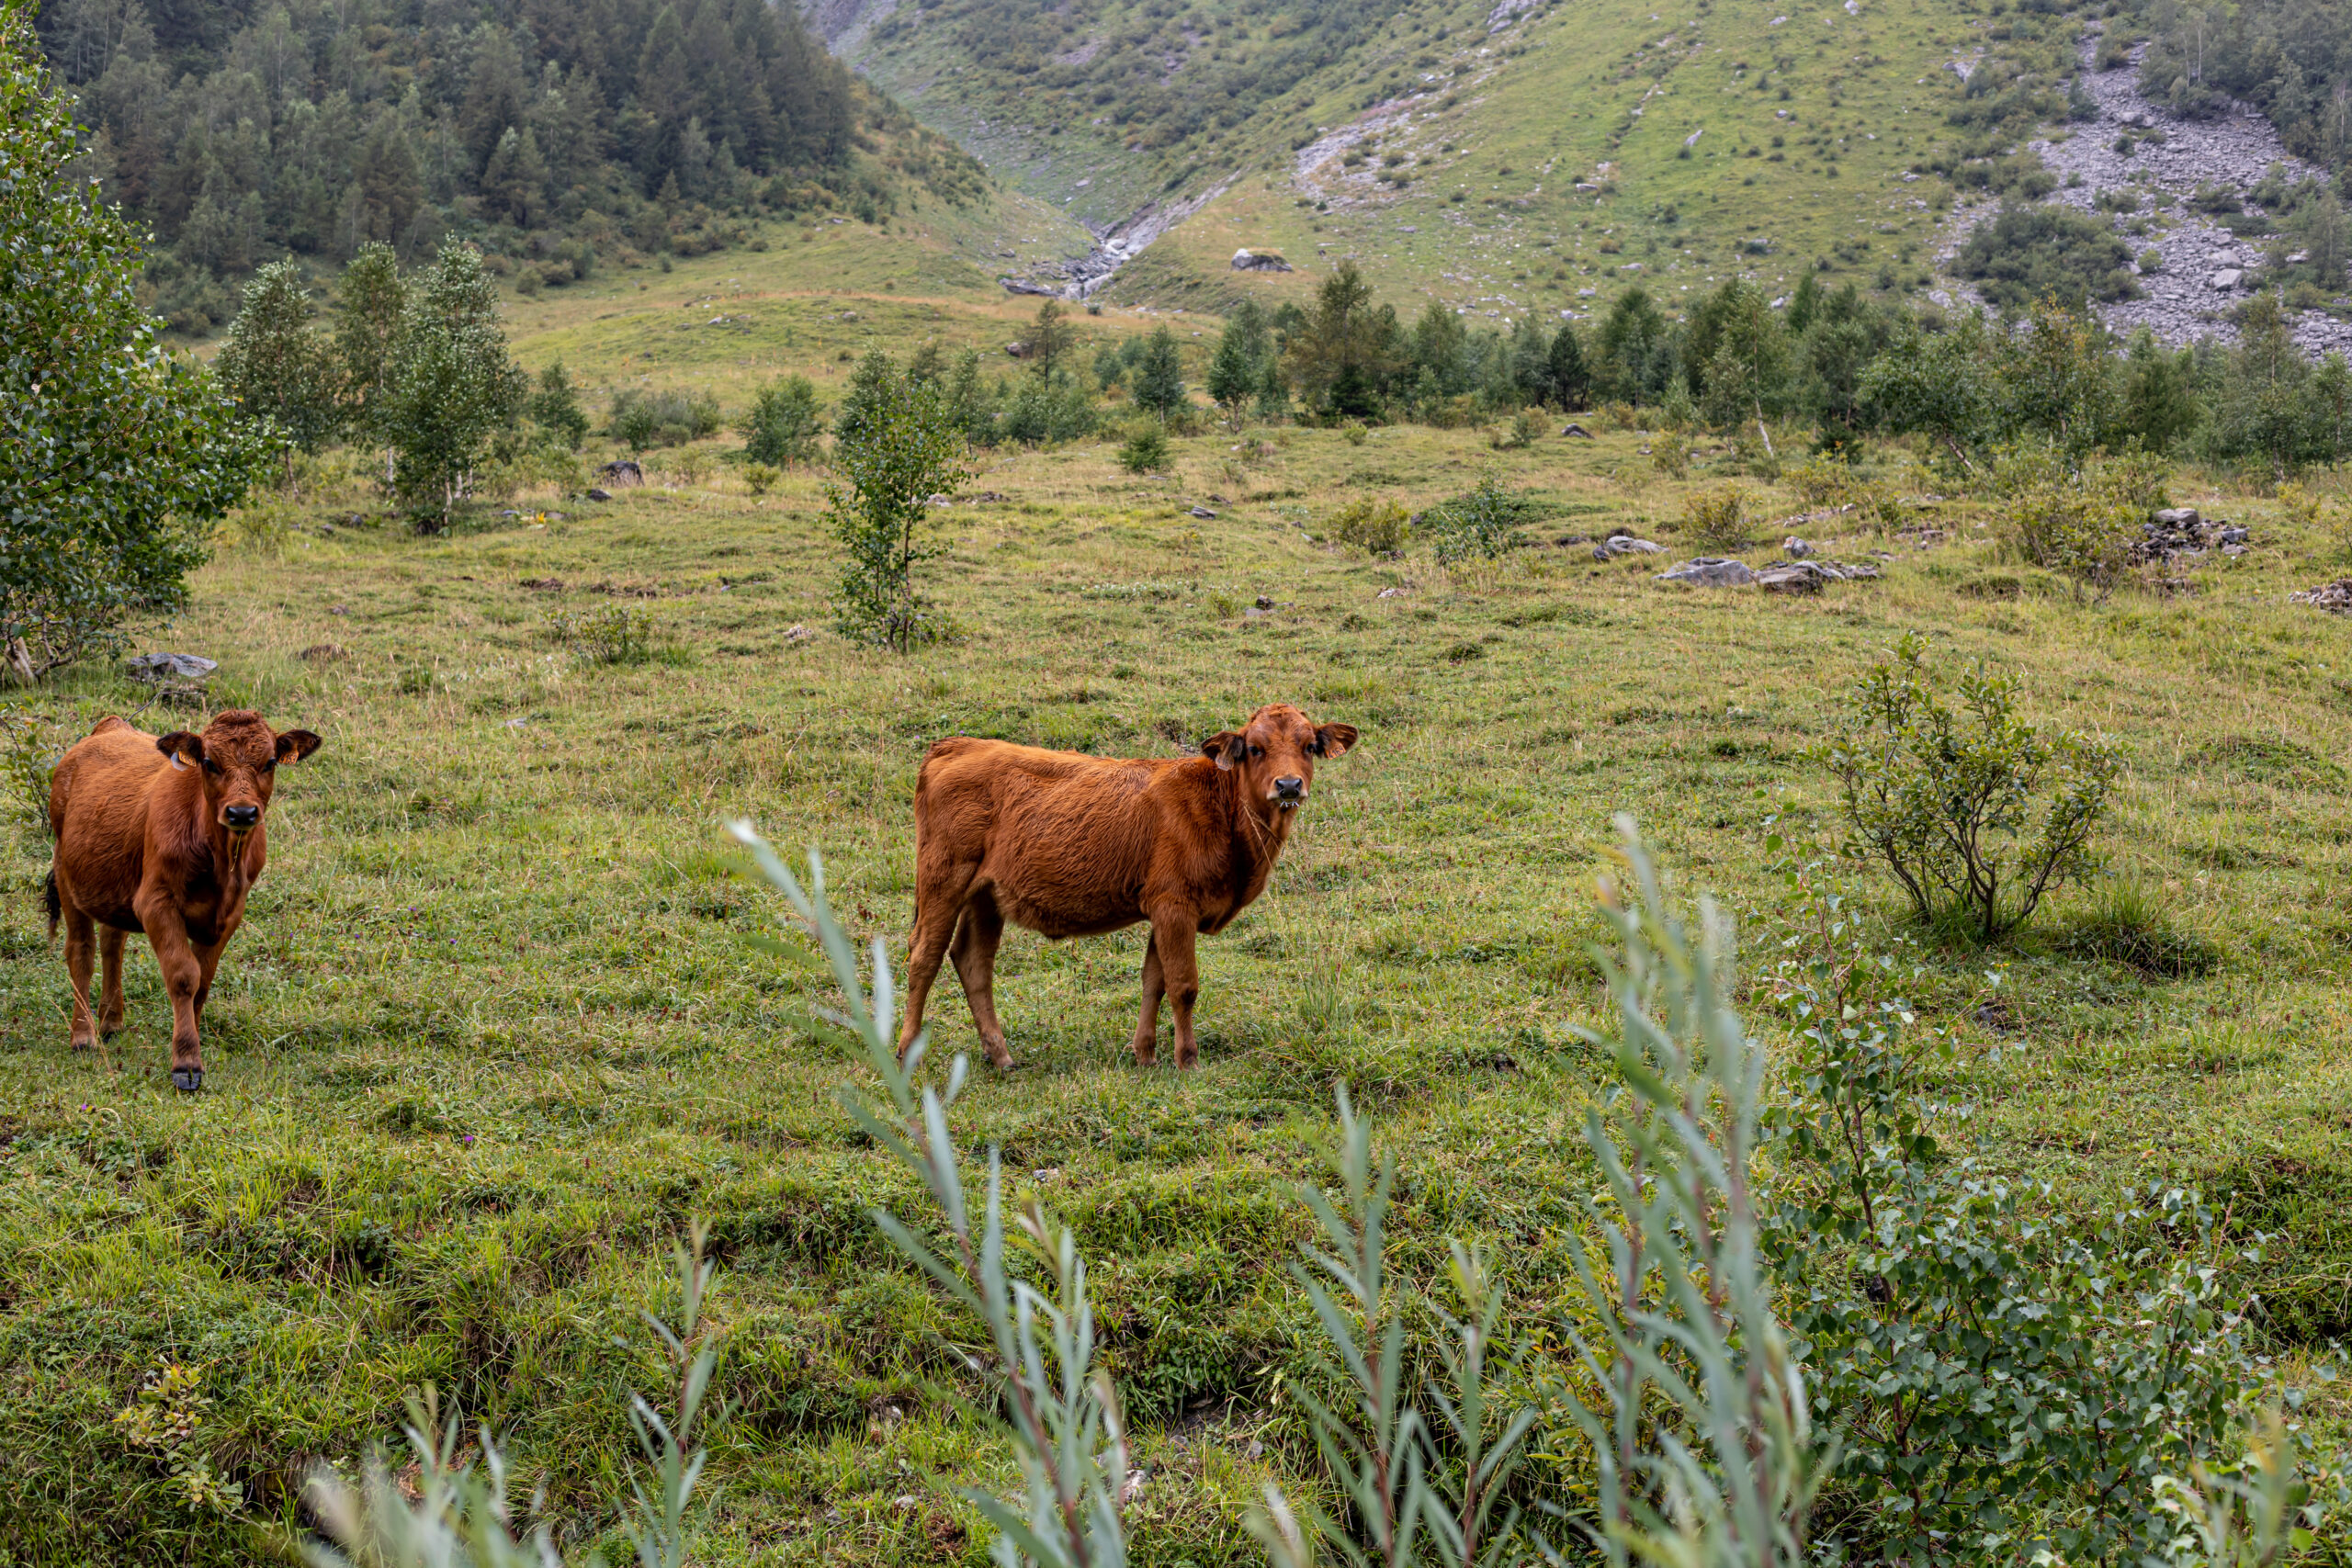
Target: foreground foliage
[115,458]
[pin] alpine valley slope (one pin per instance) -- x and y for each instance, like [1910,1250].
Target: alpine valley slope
[1502,158]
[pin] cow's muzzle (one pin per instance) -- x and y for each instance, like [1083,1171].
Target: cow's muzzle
[241,819]
[1289,792]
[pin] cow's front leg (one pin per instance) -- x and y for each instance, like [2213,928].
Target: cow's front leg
[184,978]
[1172,935]
[1146,1040]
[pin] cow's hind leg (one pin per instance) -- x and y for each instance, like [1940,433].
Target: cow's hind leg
[110,991]
[974,951]
[1146,1040]
[938,905]
[79,942]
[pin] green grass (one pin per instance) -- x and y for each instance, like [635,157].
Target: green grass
[491,1037]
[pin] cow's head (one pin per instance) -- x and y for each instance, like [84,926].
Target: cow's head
[237,758]
[1275,752]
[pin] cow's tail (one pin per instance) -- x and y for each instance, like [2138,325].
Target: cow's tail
[51,902]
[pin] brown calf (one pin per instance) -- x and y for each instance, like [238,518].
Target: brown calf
[1071,845]
[162,835]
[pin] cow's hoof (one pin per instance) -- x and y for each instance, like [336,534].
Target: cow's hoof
[187,1080]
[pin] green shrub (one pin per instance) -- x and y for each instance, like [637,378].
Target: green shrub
[2080,520]
[611,634]
[1716,520]
[644,418]
[555,408]
[1975,812]
[1987,1374]
[898,443]
[1146,449]
[785,424]
[1481,522]
[1671,455]
[760,478]
[2030,252]
[1381,527]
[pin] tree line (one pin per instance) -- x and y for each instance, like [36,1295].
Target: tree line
[550,133]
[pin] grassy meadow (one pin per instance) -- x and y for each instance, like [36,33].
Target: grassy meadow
[492,1036]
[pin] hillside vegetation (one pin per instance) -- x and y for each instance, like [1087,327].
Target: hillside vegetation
[559,140]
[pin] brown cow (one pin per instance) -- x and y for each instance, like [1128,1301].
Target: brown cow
[162,835]
[1070,845]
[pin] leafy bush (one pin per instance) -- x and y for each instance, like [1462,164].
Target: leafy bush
[759,478]
[1989,1376]
[1146,449]
[555,408]
[2029,253]
[1716,520]
[1975,813]
[646,418]
[1483,522]
[783,426]
[612,634]
[1671,455]
[2081,521]
[1380,527]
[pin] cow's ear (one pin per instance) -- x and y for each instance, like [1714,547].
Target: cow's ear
[1333,739]
[1224,748]
[294,745]
[180,744]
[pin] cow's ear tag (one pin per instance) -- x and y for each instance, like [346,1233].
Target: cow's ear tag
[178,761]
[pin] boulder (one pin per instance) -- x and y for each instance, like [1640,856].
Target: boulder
[621,473]
[1578,431]
[1258,261]
[1618,545]
[2178,517]
[2229,278]
[1200,512]
[172,666]
[1709,572]
[600,495]
[1809,576]
[1796,549]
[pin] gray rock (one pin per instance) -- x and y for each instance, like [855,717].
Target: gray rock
[2227,279]
[1577,430]
[2335,597]
[2178,517]
[2232,536]
[1709,572]
[1618,545]
[1797,549]
[1258,261]
[1200,511]
[600,495]
[172,666]
[621,473]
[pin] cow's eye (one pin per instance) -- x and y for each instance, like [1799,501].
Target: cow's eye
[1257,751]
[270,766]
[211,766]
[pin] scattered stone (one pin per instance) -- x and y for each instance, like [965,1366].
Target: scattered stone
[1219,500]
[542,584]
[600,495]
[2177,535]
[985,497]
[324,652]
[1200,511]
[1797,549]
[1578,431]
[1258,261]
[1567,539]
[1392,592]
[1618,545]
[2334,597]
[1809,576]
[2226,279]
[1709,572]
[172,666]
[338,610]
[621,473]
[1017,350]
[935,499]
[1265,601]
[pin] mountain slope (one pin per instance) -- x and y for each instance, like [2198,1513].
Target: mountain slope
[1503,158]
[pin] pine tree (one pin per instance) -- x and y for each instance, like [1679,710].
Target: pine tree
[276,366]
[454,383]
[2159,400]
[2261,413]
[1050,338]
[1571,378]
[1159,374]
[555,408]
